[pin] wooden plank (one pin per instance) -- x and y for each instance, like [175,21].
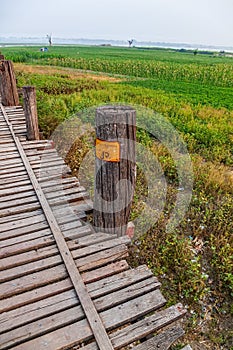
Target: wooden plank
[29,256]
[22,235]
[55,307]
[123,279]
[82,206]
[28,197]
[143,328]
[32,281]
[42,308]
[54,259]
[21,220]
[5,178]
[38,293]
[34,245]
[66,191]
[97,247]
[10,170]
[52,305]
[68,335]
[16,189]
[18,182]
[44,247]
[31,268]
[105,271]
[19,209]
[13,176]
[162,341]
[102,258]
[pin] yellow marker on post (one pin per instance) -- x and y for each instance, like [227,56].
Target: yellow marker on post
[108,151]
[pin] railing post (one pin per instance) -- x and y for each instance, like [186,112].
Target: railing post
[115,168]
[8,88]
[30,109]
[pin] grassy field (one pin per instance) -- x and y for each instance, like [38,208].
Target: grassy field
[195,94]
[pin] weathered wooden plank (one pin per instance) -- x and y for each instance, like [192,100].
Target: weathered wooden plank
[102,258]
[28,256]
[91,239]
[51,185]
[11,162]
[143,328]
[80,232]
[82,206]
[22,247]
[43,166]
[20,209]
[38,293]
[112,318]
[162,341]
[123,279]
[11,203]
[31,268]
[34,311]
[18,182]
[43,247]
[54,259]
[51,305]
[16,189]
[22,235]
[66,191]
[13,177]
[55,306]
[32,281]
[16,168]
[19,220]
[97,247]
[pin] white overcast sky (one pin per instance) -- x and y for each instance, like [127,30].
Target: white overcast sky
[186,21]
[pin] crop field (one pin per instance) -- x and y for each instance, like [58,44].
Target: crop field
[195,94]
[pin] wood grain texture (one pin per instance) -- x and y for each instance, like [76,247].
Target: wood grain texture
[115,181]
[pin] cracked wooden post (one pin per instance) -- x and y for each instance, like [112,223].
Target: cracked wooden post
[115,168]
[8,88]
[30,109]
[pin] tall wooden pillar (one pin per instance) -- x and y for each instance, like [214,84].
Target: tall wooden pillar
[8,88]
[115,168]
[30,109]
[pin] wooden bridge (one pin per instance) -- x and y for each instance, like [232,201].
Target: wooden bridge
[63,285]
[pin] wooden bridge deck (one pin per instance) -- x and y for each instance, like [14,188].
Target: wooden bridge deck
[40,307]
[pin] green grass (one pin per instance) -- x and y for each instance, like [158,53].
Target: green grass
[193,93]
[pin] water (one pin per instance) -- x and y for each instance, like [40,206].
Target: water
[40,41]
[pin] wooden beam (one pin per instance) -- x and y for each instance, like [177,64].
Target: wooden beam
[30,107]
[162,341]
[8,88]
[115,168]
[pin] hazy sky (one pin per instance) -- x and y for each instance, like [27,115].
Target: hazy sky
[187,21]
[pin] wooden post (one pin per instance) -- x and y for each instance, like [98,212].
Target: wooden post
[115,165]
[8,88]
[30,109]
